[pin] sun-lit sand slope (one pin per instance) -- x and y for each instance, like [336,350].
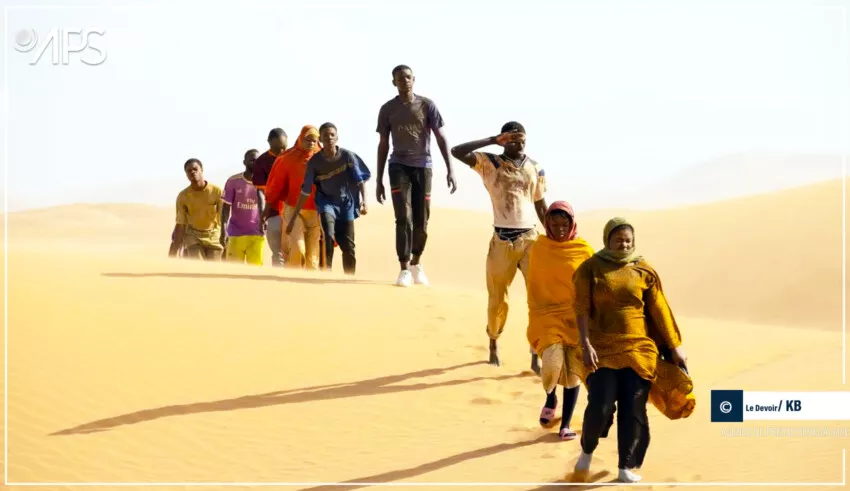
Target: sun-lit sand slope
[124,366]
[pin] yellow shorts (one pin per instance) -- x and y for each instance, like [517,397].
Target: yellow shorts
[246,248]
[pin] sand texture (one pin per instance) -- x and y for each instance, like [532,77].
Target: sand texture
[125,366]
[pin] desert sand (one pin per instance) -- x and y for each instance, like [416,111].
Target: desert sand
[125,366]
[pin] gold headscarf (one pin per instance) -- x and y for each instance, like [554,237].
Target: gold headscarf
[619,257]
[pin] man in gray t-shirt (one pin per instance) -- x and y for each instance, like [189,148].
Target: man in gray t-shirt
[409,119]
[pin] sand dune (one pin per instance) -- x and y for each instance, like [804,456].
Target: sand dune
[124,366]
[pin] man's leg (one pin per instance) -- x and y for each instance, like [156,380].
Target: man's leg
[420,204]
[400,191]
[235,249]
[312,234]
[273,235]
[295,240]
[254,250]
[501,269]
[345,238]
[194,251]
[523,246]
[329,230]
[212,253]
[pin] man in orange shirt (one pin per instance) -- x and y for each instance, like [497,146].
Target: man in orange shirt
[282,192]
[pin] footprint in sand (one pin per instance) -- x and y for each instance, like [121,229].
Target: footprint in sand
[485,401]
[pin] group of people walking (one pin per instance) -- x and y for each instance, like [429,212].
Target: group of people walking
[598,319]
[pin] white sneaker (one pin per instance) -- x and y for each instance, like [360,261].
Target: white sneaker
[628,476]
[404,278]
[583,463]
[419,277]
[581,473]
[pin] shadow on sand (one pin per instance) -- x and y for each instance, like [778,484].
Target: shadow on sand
[371,387]
[283,279]
[593,481]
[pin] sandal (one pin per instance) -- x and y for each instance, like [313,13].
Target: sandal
[547,414]
[567,434]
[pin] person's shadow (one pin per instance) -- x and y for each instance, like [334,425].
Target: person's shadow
[371,387]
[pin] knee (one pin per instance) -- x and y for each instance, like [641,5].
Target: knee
[402,219]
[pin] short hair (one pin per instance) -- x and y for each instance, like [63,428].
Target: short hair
[249,151]
[277,132]
[193,161]
[400,68]
[327,126]
[513,126]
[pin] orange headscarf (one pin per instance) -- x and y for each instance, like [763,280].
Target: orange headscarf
[288,170]
[306,130]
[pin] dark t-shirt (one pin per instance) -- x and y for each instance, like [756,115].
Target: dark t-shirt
[262,168]
[336,181]
[410,125]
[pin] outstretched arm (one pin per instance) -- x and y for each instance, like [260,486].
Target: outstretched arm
[465,152]
[291,224]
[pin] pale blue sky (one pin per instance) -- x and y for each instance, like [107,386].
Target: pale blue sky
[615,95]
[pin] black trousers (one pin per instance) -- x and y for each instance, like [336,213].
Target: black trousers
[410,188]
[605,388]
[341,232]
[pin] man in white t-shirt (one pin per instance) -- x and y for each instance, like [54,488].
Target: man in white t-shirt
[516,185]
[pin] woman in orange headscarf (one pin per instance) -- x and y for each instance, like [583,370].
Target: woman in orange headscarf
[552,329]
[282,191]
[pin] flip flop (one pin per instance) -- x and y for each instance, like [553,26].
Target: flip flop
[546,416]
[567,434]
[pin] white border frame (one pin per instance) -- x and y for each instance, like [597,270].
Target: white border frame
[345,484]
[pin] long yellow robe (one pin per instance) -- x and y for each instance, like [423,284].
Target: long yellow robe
[628,319]
[551,293]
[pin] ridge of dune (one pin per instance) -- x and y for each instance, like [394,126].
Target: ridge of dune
[754,174]
[737,241]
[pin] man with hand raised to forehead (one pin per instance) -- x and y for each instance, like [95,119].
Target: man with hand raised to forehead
[516,186]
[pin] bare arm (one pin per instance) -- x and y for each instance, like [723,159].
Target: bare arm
[540,207]
[177,242]
[362,187]
[301,200]
[225,216]
[383,153]
[465,151]
[440,135]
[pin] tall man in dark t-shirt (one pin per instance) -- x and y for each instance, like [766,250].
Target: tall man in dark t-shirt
[410,119]
[262,168]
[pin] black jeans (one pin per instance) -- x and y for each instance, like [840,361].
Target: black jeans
[341,232]
[605,388]
[411,193]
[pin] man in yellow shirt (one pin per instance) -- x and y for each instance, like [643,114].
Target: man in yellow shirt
[198,228]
